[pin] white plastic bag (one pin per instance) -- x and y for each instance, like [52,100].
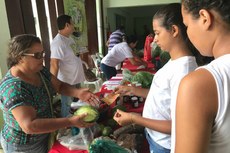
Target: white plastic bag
[80,141]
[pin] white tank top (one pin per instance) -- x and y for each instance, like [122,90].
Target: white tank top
[220,137]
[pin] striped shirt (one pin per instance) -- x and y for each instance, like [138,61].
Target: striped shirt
[115,38]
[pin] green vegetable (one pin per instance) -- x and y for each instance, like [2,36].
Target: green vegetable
[112,123]
[156,51]
[127,75]
[92,113]
[107,131]
[101,126]
[145,78]
[121,107]
[164,57]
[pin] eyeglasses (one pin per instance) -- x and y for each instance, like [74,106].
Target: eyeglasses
[38,55]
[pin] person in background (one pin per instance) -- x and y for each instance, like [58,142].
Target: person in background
[25,99]
[116,37]
[203,102]
[117,55]
[170,35]
[63,63]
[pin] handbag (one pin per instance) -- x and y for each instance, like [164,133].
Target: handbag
[52,136]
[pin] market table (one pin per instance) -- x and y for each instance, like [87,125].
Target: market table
[58,148]
[111,84]
[133,68]
[107,87]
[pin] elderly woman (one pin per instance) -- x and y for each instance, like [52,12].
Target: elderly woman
[26,92]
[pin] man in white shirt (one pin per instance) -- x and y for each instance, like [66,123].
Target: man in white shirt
[64,64]
[118,54]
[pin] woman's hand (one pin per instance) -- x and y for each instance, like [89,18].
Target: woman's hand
[85,95]
[123,118]
[77,121]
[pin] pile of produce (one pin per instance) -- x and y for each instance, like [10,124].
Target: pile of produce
[130,136]
[145,78]
[142,77]
[107,135]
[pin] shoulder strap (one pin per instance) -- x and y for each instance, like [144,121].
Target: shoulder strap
[47,90]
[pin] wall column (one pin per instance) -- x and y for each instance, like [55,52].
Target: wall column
[4,39]
[99,26]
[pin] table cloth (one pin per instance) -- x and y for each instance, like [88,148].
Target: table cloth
[133,68]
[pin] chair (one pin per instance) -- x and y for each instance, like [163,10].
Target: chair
[97,83]
[97,60]
[99,56]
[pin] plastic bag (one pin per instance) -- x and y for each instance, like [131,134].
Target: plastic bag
[79,141]
[78,104]
[87,136]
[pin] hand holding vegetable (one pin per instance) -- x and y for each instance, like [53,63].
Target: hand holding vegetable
[92,113]
[78,121]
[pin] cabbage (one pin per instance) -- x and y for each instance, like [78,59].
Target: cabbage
[145,78]
[92,113]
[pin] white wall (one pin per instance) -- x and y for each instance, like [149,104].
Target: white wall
[4,38]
